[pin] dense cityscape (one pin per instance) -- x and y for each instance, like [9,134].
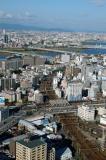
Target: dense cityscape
[53,80]
[52,96]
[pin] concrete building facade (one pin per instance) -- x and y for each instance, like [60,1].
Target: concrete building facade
[86,113]
[31,150]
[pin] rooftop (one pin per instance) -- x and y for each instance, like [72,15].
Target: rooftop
[31,144]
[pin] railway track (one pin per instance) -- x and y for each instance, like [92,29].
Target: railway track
[86,147]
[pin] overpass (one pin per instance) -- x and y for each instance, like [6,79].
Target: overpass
[57,50]
[50,50]
[36,49]
[69,52]
[54,108]
[59,110]
[13,120]
[9,124]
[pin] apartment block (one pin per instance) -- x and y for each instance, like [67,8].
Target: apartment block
[31,150]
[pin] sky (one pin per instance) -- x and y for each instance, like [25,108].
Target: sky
[75,15]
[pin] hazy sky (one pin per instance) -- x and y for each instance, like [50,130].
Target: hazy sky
[78,15]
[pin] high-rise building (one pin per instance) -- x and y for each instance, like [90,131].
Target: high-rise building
[5,38]
[39,60]
[33,60]
[28,60]
[4,113]
[7,84]
[14,63]
[74,91]
[104,86]
[11,63]
[31,149]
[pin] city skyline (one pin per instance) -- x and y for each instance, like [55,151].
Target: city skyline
[82,15]
[52,80]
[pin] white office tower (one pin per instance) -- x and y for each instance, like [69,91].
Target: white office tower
[55,82]
[58,92]
[14,76]
[18,94]
[78,60]
[45,72]
[104,81]
[59,74]
[65,58]
[86,113]
[104,60]
[93,91]
[74,91]
[104,86]
[4,31]
[38,97]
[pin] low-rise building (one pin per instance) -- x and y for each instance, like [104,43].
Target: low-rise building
[64,154]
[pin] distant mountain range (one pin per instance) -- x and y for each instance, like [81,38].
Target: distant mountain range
[23,27]
[11,26]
